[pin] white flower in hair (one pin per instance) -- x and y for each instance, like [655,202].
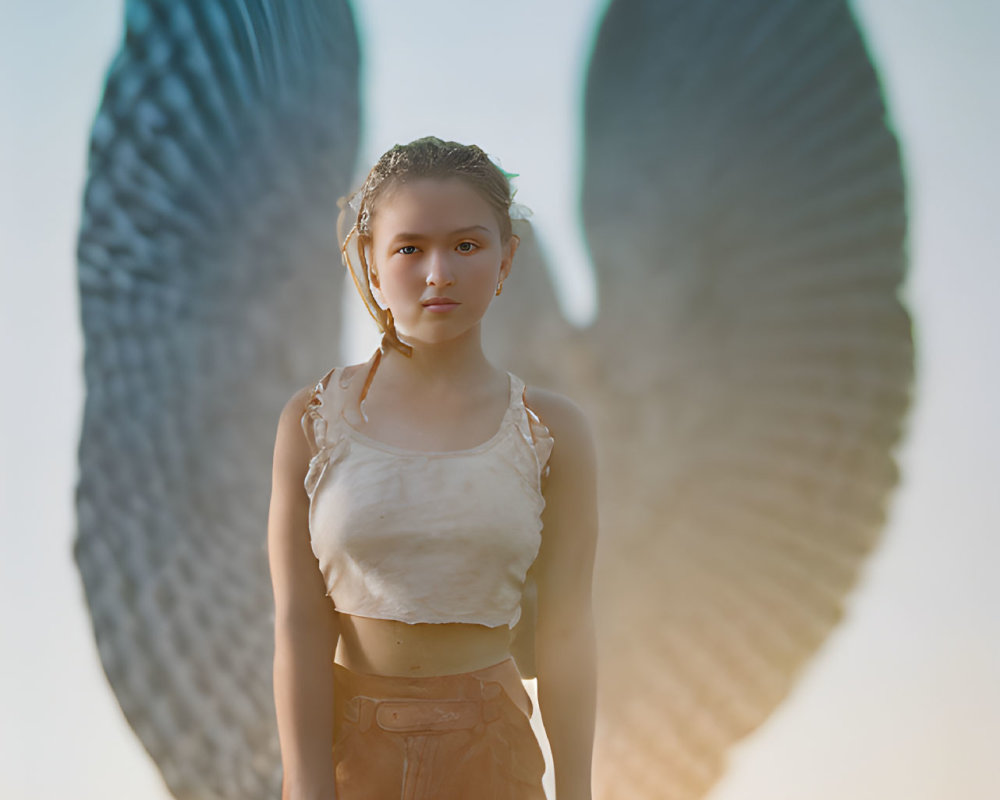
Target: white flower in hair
[520,211]
[517,210]
[355,201]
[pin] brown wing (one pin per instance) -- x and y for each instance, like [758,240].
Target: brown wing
[749,369]
[744,205]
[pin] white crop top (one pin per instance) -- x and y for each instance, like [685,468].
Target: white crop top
[424,536]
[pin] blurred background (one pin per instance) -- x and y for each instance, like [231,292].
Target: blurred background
[901,701]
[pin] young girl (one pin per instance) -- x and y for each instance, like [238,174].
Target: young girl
[403,523]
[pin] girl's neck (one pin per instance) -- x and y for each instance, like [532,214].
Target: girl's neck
[458,361]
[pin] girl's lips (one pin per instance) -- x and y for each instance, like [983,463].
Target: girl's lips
[439,304]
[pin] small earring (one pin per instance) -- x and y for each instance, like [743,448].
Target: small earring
[500,287]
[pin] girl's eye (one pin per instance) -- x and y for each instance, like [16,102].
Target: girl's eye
[410,249]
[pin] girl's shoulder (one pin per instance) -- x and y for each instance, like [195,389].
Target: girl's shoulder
[555,405]
[344,372]
[564,417]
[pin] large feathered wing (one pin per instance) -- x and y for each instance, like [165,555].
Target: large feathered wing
[748,372]
[751,364]
[209,278]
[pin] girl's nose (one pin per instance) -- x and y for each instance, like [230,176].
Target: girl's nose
[438,270]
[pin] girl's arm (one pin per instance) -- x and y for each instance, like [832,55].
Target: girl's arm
[565,649]
[305,624]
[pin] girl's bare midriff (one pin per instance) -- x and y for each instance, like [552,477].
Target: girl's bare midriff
[390,647]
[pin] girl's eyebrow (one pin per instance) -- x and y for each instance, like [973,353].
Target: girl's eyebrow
[422,236]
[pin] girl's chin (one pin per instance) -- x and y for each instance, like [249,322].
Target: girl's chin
[430,337]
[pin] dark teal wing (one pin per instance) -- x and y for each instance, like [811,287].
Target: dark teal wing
[210,280]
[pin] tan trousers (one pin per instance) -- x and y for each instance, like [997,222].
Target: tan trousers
[447,737]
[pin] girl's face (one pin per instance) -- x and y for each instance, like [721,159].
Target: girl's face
[437,238]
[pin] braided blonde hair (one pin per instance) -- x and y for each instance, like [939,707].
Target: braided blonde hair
[428,157]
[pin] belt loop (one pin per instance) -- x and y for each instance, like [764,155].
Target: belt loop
[366,712]
[491,697]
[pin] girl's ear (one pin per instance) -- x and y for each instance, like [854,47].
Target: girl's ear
[367,246]
[376,289]
[508,256]
[379,298]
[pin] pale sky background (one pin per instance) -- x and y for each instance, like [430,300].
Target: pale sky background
[903,701]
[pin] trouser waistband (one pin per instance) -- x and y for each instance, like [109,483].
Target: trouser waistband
[430,702]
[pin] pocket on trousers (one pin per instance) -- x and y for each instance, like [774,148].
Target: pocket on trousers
[515,748]
[342,737]
[344,731]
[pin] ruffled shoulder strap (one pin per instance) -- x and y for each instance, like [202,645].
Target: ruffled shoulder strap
[314,419]
[536,431]
[321,412]
[326,402]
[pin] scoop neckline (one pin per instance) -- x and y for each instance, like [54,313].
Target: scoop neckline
[406,451]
